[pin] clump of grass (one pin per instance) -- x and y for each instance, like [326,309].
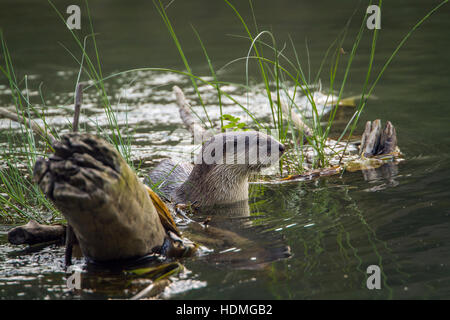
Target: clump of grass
[283,80]
[20,198]
[278,74]
[92,68]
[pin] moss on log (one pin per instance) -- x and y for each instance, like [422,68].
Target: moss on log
[101,197]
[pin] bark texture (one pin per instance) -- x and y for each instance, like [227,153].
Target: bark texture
[101,197]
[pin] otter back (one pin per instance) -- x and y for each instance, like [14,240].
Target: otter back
[169,175]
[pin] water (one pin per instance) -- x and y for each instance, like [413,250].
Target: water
[335,227]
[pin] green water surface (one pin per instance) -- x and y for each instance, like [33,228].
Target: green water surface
[396,218]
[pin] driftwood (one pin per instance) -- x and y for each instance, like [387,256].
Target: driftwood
[78,102]
[296,119]
[61,187]
[152,290]
[34,233]
[375,141]
[36,128]
[197,131]
[70,234]
[103,200]
[28,122]
[113,215]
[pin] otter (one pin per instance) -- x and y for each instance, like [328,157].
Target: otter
[220,171]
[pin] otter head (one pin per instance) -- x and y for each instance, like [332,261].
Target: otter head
[221,170]
[246,151]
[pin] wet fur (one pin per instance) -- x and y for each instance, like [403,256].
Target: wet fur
[209,184]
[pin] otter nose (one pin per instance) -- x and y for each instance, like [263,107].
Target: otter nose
[282,148]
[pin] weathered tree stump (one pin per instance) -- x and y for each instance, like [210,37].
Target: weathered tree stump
[34,233]
[101,197]
[375,141]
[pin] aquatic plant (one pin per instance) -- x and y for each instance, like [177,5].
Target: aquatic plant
[20,198]
[283,80]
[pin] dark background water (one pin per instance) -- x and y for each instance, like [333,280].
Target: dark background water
[336,227]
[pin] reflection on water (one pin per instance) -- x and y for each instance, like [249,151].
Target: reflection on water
[387,173]
[334,228]
[395,217]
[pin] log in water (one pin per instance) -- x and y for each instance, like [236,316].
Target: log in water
[34,233]
[101,197]
[375,141]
